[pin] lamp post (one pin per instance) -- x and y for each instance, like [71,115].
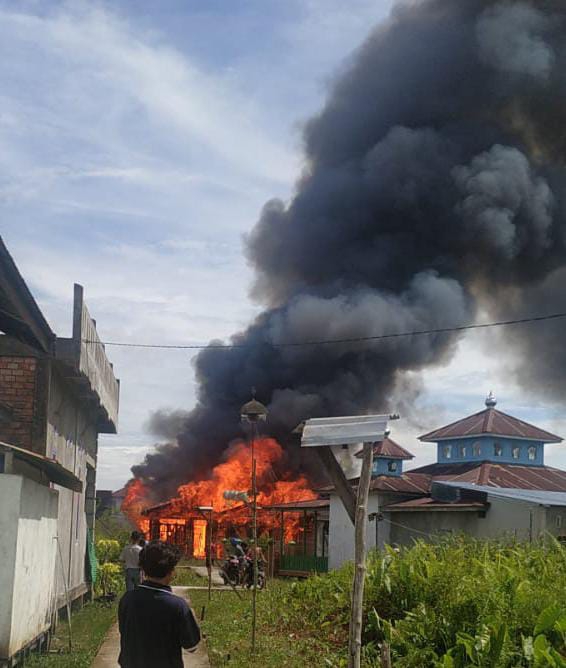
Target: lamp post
[252,414]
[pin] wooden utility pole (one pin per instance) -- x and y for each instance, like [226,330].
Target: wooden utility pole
[356,620]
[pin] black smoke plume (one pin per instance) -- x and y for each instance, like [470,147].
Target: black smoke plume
[434,186]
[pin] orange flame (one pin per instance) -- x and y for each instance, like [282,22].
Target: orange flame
[234,474]
[137,497]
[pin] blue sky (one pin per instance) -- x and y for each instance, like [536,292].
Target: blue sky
[138,142]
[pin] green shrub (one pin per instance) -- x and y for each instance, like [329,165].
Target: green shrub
[452,604]
[107,550]
[109,579]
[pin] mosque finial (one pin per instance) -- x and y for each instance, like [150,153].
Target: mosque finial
[491,401]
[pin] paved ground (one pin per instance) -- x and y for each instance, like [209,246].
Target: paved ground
[107,656]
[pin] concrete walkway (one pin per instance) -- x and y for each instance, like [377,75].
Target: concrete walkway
[107,656]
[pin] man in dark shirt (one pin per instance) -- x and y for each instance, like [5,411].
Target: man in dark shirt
[154,623]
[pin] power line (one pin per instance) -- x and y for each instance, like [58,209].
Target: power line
[324,342]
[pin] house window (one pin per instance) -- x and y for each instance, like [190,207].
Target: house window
[558,521]
[532,453]
[463,451]
[392,466]
[516,452]
[476,449]
[447,450]
[497,450]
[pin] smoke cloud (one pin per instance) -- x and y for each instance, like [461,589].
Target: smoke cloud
[434,186]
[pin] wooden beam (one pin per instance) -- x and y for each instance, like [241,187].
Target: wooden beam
[339,480]
[356,620]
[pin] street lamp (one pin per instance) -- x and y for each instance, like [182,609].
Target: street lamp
[252,414]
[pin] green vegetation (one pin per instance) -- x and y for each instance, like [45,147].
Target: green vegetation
[89,628]
[185,577]
[227,625]
[455,604]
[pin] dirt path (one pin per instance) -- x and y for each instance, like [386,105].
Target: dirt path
[107,656]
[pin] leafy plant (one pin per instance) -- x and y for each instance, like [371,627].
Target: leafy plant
[109,578]
[451,604]
[107,550]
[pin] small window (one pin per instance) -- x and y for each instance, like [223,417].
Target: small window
[558,521]
[516,452]
[476,449]
[497,450]
[392,466]
[447,450]
[463,451]
[532,453]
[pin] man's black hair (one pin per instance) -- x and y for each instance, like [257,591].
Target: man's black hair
[135,536]
[158,559]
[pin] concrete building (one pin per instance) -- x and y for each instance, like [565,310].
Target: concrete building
[56,396]
[489,481]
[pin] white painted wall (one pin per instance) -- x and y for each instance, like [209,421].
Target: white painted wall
[71,435]
[10,486]
[341,532]
[505,517]
[28,525]
[36,552]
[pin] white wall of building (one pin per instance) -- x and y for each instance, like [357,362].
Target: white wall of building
[71,438]
[28,526]
[504,518]
[341,531]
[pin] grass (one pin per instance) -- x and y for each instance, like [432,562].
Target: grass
[227,626]
[89,626]
[185,577]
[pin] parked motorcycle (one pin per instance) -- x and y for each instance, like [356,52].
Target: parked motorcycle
[231,571]
[249,574]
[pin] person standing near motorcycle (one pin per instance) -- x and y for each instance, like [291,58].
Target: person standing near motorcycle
[261,563]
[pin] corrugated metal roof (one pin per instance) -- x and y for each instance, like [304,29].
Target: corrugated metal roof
[494,422]
[540,497]
[426,503]
[389,449]
[311,504]
[499,475]
[407,483]
[54,471]
[345,430]
[510,476]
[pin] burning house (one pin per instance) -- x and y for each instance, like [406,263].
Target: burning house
[291,517]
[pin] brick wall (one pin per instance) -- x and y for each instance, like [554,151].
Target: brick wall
[17,395]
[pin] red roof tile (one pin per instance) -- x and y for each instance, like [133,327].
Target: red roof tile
[389,449]
[491,421]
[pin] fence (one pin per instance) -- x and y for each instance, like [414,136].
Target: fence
[303,563]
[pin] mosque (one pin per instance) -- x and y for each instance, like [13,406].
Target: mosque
[489,481]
